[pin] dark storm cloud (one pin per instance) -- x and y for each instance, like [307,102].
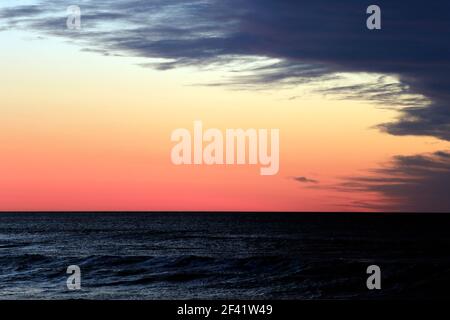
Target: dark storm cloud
[409,183]
[313,41]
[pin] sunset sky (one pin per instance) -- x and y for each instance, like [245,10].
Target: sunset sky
[86,115]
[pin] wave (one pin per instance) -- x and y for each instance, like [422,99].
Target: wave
[246,277]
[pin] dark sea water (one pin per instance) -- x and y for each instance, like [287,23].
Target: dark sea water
[223,256]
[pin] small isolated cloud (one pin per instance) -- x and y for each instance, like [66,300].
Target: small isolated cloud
[305,180]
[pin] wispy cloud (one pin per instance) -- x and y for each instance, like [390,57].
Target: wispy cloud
[418,183]
[308,40]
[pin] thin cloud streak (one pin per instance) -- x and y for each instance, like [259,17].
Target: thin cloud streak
[305,180]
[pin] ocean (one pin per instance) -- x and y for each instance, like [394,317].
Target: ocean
[224,255]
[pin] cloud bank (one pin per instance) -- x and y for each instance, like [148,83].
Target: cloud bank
[417,183]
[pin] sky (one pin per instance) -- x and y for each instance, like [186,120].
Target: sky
[87,115]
